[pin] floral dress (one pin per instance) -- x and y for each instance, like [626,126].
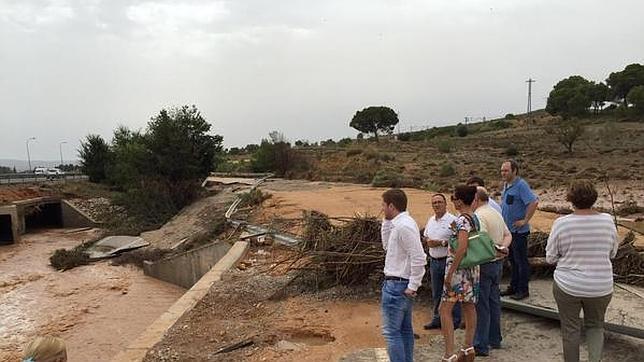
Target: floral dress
[465,282]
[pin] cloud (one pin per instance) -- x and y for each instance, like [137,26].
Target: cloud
[29,17]
[174,17]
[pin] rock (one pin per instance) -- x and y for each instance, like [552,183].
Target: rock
[285,345]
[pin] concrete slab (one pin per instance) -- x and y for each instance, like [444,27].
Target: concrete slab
[113,245]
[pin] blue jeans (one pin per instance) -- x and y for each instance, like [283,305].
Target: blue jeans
[519,263]
[437,274]
[488,308]
[396,321]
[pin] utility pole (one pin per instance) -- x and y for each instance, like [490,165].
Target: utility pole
[28,156]
[530,81]
[60,148]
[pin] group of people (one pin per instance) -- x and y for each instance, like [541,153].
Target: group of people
[581,245]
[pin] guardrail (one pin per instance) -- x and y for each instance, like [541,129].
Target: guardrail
[23,178]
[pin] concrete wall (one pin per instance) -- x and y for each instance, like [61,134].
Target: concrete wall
[12,211]
[74,218]
[187,268]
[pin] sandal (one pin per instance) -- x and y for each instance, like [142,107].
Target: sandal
[452,358]
[468,354]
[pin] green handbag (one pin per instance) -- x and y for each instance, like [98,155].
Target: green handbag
[480,246]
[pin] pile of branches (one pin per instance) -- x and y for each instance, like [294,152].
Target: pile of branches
[346,252]
[628,265]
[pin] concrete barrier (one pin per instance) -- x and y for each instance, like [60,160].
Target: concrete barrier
[156,331]
[187,268]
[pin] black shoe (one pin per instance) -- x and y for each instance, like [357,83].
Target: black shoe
[520,296]
[507,291]
[431,325]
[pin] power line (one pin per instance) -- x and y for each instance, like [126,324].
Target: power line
[530,81]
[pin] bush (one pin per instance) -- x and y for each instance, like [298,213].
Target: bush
[387,178]
[461,130]
[274,155]
[445,146]
[404,137]
[253,198]
[510,116]
[345,142]
[511,150]
[447,170]
[371,154]
[354,151]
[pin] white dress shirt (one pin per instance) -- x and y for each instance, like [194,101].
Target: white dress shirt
[405,257]
[439,230]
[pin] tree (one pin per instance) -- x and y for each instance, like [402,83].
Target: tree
[568,132]
[375,119]
[636,98]
[570,97]
[94,153]
[274,154]
[599,93]
[622,82]
[180,145]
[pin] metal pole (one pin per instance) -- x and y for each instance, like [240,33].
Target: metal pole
[60,148]
[28,156]
[530,81]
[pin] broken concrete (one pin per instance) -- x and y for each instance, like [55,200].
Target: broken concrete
[113,245]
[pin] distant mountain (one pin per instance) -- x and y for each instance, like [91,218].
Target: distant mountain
[22,165]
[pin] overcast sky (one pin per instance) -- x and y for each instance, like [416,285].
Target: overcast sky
[70,68]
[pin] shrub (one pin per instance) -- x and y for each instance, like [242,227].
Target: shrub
[447,170]
[510,116]
[445,146]
[461,130]
[386,157]
[511,150]
[64,259]
[345,142]
[354,151]
[387,178]
[253,198]
[404,137]
[371,154]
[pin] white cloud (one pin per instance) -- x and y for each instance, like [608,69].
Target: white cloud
[173,17]
[31,16]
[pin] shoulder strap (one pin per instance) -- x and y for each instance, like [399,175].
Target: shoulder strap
[472,221]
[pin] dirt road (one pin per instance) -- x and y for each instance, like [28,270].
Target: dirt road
[98,309]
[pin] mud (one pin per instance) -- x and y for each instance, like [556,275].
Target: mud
[98,309]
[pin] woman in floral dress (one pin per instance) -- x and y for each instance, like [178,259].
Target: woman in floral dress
[461,284]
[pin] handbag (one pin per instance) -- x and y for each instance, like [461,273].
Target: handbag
[480,246]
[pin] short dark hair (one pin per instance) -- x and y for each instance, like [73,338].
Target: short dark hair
[475,180]
[397,198]
[481,194]
[440,195]
[514,165]
[465,193]
[582,194]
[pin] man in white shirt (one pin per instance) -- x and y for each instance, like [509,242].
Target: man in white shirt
[488,308]
[404,269]
[436,234]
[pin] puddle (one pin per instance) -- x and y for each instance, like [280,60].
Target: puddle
[308,338]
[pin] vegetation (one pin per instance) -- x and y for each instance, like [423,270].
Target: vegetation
[274,155]
[568,133]
[461,130]
[156,171]
[636,98]
[374,120]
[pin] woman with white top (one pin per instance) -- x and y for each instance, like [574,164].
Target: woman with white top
[582,245]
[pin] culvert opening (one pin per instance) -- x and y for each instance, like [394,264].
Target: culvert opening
[43,216]
[6,231]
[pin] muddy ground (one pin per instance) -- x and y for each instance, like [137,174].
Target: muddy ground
[292,322]
[98,309]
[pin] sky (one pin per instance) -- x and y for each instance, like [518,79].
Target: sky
[71,68]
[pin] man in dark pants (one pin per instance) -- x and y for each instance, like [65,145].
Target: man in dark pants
[518,204]
[435,235]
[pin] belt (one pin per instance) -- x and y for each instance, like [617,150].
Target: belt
[396,278]
[492,262]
